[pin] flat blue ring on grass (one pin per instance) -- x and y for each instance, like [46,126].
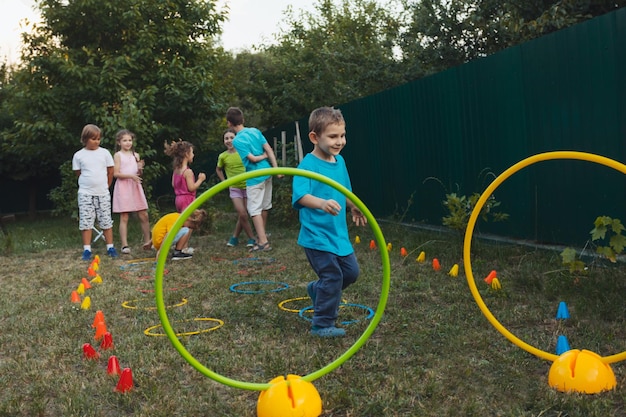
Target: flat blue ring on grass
[169,240]
[370,313]
[234,287]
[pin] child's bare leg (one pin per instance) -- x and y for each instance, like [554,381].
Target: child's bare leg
[86,235]
[124,229]
[145,228]
[182,242]
[108,236]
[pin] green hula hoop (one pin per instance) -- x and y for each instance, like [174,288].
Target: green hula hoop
[158,282]
[589,157]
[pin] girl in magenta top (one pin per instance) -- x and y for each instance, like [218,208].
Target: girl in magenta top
[183,180]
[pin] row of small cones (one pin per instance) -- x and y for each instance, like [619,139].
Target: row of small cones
[125,382]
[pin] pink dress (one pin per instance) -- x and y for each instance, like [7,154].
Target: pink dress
[128,195]
[184,197]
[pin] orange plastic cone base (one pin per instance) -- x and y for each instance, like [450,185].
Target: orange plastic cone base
[86,283]
[75,297]
[292,397]
[125,383]
[490,277]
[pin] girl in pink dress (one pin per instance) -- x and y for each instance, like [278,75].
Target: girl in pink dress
[183,179]
[128,194]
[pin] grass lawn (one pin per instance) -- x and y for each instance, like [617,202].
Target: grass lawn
[433,353]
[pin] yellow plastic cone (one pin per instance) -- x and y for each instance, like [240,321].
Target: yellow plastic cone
[357,240]
[422,257]
[454,271]
[86,304]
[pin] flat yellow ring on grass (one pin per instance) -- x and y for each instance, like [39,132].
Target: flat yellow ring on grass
[281,305]
[126,304]
[220,323]
[467,244]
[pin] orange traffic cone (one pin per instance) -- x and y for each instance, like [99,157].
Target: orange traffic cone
[75,297]
[113,367]
[85,283]
[125,383]
[403,252]
[490,277]
[436,264]
[99,317]
[372,244]
[101,329]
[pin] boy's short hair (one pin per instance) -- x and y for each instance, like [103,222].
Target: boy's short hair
[90,131]
[197,217]
[234,115]
[322,117]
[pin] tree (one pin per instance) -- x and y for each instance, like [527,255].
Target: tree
[330,56]
[142,65]
[447,33]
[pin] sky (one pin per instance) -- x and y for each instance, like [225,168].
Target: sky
[250,22]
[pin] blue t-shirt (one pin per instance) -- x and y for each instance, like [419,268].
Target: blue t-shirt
[250,140]
[318,229]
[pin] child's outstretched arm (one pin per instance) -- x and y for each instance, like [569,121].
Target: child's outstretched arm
[193,184]
[329,206]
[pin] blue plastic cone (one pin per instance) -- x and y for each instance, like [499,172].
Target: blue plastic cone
[562,345]
[562,313]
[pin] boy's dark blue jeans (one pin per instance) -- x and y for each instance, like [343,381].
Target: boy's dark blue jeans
[335,273]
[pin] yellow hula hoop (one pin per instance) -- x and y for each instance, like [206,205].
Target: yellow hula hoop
[126,304]
[220,323]
[467,244]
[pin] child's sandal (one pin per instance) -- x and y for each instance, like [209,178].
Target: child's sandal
[261,248]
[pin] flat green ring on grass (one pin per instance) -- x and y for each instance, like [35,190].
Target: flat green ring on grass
[158,282]
[467,244]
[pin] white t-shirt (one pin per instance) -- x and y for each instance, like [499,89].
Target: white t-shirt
[92,164]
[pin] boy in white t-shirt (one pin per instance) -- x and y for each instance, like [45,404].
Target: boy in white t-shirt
[94,167]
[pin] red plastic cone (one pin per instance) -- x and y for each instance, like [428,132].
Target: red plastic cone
[86,283]
[125,383]
[107,341]
[113,367]
[75,297]
[89,352]
[490,277]
[99,317]
[101,329]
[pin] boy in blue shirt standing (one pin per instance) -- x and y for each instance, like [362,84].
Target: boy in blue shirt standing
[323,226]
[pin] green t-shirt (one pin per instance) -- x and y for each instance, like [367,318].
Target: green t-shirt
[232,165]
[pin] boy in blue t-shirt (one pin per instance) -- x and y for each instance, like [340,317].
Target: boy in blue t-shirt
[323,225]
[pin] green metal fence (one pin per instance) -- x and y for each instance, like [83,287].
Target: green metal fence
[564,91]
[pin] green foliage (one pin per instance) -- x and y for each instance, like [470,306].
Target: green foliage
[609,231]
[112,64]
[460,207]
[64,196]
[569,259]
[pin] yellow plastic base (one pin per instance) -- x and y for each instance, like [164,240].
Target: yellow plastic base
[291,397]
[581,371]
